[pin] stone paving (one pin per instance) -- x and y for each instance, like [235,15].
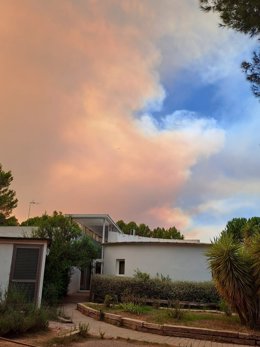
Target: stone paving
[111,331]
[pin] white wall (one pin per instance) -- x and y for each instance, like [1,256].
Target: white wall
[74,285]
[179,261]
[44,253]
[120,237]
[6,253]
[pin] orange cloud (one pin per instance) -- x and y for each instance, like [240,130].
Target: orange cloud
[73,76]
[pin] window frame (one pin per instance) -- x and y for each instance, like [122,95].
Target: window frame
[119,263]
[36,281]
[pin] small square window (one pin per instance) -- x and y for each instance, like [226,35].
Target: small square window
[121,266]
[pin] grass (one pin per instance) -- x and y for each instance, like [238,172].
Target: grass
[175,316]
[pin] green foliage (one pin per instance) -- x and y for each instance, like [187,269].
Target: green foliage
[241,229]
[144,230]
[8,200]
[242,16]
[236,272]
[176,312]
[163,278]
[201,292]
[84,329]
[252,71]
[110,300]
[134,308]
[224,307]
[68,248]
[17,316]
[141,275]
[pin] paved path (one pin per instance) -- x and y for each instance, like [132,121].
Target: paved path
[112,331]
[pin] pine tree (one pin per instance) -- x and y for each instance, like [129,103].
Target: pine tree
[8,199]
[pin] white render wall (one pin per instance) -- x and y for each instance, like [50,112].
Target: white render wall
[181,262]
[74,285]
[6,253]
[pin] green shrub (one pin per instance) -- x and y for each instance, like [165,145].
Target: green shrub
[84,329]
[176,312]
[110,300]
[127,297]
[19,322]
[141,275]
[135,309]
[224,307]
[18,316]
[121,287]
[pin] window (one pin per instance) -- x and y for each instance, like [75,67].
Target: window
[120,266]
[25,269]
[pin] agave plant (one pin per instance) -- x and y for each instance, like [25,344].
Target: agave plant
[236,272]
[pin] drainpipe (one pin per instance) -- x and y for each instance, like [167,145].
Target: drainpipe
[102,247]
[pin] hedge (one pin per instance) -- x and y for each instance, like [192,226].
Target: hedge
[199,292]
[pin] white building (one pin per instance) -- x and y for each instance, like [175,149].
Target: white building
[181,260]
[22,261]
[122,254]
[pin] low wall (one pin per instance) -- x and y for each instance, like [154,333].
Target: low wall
[172,330]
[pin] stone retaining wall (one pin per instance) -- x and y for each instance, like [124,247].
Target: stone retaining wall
[172,330]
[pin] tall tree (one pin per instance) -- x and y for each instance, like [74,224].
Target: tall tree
[235,228]
[242,229]
[69,247]
[242,16]
[144,230]
[8,200]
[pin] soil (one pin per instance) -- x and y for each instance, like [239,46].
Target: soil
[214,323]
[43,339]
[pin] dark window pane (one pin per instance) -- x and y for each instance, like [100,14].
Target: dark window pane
[26,263]
[121,267]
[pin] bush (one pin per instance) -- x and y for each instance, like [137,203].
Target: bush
[110,300]
[176,312]
[133,308]
[200,292]
[18,316]
[141,275]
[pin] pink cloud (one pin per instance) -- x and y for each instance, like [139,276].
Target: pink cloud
[73,76]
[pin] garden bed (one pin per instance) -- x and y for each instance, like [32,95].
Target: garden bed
[198,325]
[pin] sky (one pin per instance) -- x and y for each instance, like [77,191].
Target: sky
[135,108]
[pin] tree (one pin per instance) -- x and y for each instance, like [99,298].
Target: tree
[8,200]
[252,71]
[241,229]
[68,248]
[144,230]
[235,265]
[235,228]
[242,16]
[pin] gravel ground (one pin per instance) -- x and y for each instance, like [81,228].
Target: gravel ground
[86,343]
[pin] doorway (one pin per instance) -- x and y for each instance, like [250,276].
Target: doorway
[85,277]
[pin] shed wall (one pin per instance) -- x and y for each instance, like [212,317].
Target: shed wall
[6,253]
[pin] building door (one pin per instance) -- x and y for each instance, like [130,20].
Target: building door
[85,277]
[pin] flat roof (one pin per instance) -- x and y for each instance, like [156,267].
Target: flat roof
[25,239]
[165,242]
